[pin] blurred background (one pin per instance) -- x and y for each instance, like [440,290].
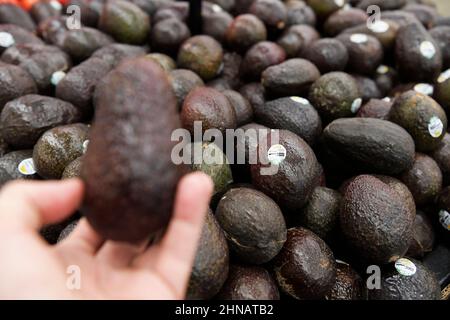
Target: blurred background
[444,6]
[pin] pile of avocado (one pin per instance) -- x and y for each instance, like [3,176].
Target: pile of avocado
[351,112]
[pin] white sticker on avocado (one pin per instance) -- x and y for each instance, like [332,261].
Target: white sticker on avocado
[6,39]
[359,38]
[424,88]
[56,5]
[26,167]
[85,146]
[300,100]
[356,105]
[216,8]
[382,69]
[57,77]
[427,49]
[276,154]
[387,99]
[379,26]
[405,267]
[444,76]
[339,3]
[435,127]
[444,219]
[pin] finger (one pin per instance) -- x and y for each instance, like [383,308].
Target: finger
[176,252]
[33,204]
[84,236]
[119,254]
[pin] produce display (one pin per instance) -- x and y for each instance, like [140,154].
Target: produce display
[322,123]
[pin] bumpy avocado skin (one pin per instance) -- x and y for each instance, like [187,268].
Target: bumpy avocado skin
[328,55]
[211,263]
[375,221]
[14,83]
[420,286]
[249,283]
[73,169]
[348,285]
[9,166]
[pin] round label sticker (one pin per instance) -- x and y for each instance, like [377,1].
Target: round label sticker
[276,154]
[424,88]
[300,100]
[356,105]
[26,167]
[6,39]
[359,38]
[379,26]
[435,127]
[427,49]
[405,267]
[444,76]
[382,69]
[387,99]
[56,5]
[57,77]
[444,219]
[85,146]
[339,3]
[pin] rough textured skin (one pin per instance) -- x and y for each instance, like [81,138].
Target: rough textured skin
[420,286]
[241,106]
[375,221]
[168,35]
[328,55]
[14,14]
[442,157]
[344,19]
[272,12]
[9,163]
[73,169]
[20,35]
[81,43]
[253,224]
[245,31]
[14,83]
[367,88]
[377,145]
[441,35]
[261,56]
[348,284]
[300,13]
[298,116]
[209,106]
[58,147]
[292,77]
[249,283]
[211,263]
[413,111]
[128,149]
[164,61]
[423,237]
[201,54]
[296,176]
[292,42]
[305,268]
[424,179]
[184,81]
[23,120]
[375,108]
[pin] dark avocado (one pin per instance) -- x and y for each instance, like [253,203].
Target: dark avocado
[335,95]
[255,93]
[423,237]
[216,22]
[422,117]
[249,283]
[424,13]
[184,81]
[398,284]
[261,56]
[10,169]
[382,4]
[241,106]
[164,61]
[373,144]
[442,157]
[291,113]
[231,69]
[4,148]
[386,78]
[14,83]
[289,181]
[227,5]
[443,203]
[147,209]
[402,190]
[375,108]
[73,169]
[67,230]
[42,10]
[305,268]
[348,285]
[168,35]
[23,120]
[292,43]
[11,34]
[201,54]
[14,14]
[211,265]
[375,222]
[324,8]
[209,106]
[298,12]
[424,179]
[344,19]
[124,21]
[116,52]
[252,223]
[245,31]
[272,12]
[328,55]
[247,143]
[367,88]
[171,9]
[90,10]
[292,77]
[442,91]
[442,37]
[53,30]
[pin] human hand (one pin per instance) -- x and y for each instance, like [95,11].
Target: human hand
[32,269]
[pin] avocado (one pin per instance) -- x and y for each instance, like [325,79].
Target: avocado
[164,61]
[4,148]
[324,8]
[11,34]
[443,204]
[53,30]
[386,78]
[328,55]
[241,106]
[255,93]
[417,54]
[422,117]
[14,83]
[14,14]
[42,10]
[382,4]
[67,230]
[441,35]
[335,95]
[23,120]
[374,220]
[348,284]
[124,21]
[261,56]
[375,108]
[291,113]
[245,31]
[184,81]
[291,77]
[171,9]
[90,10]
[231,69]
[305,268]
[371,144]
[216,22]
[367,88]
[73,169]
[292,43]
[149,6]
[201,54]
[294,178]
[343,19]
[10,168]
[424,13]
[116,52]
[168,35]
[272,12]
[423,237]
[442,91]
[407,279]
[227,5]
[252,223]
[321,213]
[149,208]
[442,157]
[424,179]
[402,190]
[249,283]
[209,106]
[298,12]
[211,264]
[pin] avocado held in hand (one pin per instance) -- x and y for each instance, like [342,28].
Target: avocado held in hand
[128,171]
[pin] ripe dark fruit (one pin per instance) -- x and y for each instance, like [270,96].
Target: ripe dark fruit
[245,31]
[163,60]
[14,14]
[216,23]
[442,157]
[423,237]
[13,35]
[442,37]
[299,13]
[344,19]
[9,166]
[168,35]
[424,13]
[386,78]
[348,284]
[375,108]
[261,56]
[367,88]
[328,55]
[43,10]
[382,4]
[255,93]
[324,8]
[14,83]
[184,81]
[272,12]
[241,106]
[442,91]
[73,169]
